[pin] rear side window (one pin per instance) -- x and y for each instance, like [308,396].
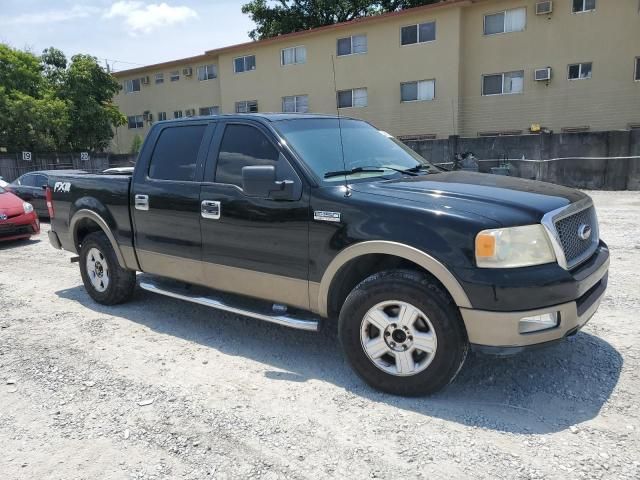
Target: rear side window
[28,180]
[176,153]
[242,146]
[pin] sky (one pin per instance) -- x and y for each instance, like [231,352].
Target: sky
[127,33]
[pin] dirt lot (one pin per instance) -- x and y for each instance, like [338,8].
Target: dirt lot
[158,388]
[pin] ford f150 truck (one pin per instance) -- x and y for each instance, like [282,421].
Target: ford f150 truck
[295,219]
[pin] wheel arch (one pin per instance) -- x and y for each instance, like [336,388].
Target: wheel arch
[382,254]
[85,222]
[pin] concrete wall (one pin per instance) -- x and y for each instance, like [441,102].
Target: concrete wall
[599,160]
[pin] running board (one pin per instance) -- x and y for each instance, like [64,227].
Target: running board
[228,302]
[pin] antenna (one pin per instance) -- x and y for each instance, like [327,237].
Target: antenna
[335,90]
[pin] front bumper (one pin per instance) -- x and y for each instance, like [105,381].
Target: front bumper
[499,332]
[21,226]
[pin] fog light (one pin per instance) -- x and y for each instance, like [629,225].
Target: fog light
[537,323]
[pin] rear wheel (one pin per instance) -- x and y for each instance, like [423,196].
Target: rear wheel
[103,278]
[402,333]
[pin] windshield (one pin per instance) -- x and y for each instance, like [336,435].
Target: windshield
[374,153]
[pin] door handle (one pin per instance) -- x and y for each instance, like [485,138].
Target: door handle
[142,202]
[210,209]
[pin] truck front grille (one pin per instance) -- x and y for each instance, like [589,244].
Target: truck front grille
[566,226]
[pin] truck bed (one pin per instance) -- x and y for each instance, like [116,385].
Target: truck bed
[106,195]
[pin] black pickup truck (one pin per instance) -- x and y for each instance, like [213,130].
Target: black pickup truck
[295,219]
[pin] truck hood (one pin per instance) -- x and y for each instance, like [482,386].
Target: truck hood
[506,200]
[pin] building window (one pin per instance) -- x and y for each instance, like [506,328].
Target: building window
[162,116]
[583,5]
[207,72]
[423,32]
[247,106]
[177,114]
[244,64]
[293,55]
[295,104]
[418,91]
[356,97]
[135,121]
[351,45]
[174,76]
[580,71]
[503,83]
[209,110]
[637,73]
[131,86]
[159,78]
[503,22]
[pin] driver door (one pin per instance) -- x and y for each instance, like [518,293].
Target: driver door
[250,245]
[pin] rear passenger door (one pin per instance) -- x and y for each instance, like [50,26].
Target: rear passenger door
[165,199]
[255,246]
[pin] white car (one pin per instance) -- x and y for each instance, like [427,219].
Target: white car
[3,183]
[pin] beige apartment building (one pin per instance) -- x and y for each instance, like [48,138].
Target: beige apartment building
[463,67]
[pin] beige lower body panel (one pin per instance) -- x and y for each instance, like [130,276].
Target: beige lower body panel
[276,288]
[501,329]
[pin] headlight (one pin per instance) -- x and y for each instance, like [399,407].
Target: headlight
[28,208]
[513,247]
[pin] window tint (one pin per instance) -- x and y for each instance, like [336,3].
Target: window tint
[414,91]
[28,180]
[409,35]
[583,5]
[580,71]
[344,46]
[39,180]
[242,146]
[176,153]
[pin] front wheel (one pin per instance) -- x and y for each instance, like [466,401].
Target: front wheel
[104,279]
[402,333]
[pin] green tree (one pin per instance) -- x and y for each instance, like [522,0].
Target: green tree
[48,104]
[136,144]
[286,16]
[90,90]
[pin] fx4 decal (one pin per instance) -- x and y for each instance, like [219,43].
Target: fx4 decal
[64,187]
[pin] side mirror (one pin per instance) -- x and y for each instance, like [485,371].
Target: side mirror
[260,181]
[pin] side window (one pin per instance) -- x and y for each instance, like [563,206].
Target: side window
[39,180]
[176,153]
[28,181]
[242,146]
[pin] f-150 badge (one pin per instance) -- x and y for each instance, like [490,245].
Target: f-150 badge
[326,216]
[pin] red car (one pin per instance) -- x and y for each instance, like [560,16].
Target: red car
[17,217]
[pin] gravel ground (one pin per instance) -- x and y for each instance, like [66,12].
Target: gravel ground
[159,388]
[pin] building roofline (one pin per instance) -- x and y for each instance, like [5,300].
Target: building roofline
[302,33]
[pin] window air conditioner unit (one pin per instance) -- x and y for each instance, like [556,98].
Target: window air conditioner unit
[190,112]
[147,115]
[145,80]
[544,8]
[542,74]
[187,72]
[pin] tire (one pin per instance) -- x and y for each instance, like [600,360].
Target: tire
[386,300]
[105,281]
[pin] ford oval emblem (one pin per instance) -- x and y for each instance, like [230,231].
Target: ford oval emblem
[584,231]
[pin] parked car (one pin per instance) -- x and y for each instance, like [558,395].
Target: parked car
[296,219]
[30,187]
[17,217]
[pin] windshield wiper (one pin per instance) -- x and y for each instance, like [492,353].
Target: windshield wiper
[353,170]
